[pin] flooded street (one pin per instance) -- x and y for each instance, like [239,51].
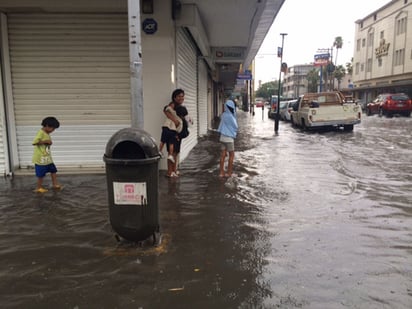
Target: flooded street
[312,220]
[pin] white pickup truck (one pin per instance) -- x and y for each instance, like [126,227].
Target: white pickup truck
[325,110]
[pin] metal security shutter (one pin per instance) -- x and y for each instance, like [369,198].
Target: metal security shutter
[202,98]
[187,80]
[73,67]
[4,167]
[3,143]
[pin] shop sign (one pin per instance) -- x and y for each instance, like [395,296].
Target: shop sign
[382,50]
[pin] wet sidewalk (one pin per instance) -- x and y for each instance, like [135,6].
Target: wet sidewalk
[58,250]
[291,230]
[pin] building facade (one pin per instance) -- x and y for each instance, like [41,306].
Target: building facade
[295,82]
[382,59]
[72,60]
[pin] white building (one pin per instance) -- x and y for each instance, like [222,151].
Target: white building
[382,59]
[71,59]
[295,82]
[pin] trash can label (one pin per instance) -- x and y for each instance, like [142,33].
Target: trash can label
[130,193]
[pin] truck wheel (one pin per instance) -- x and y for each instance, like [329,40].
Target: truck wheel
[304,127]
[291,122]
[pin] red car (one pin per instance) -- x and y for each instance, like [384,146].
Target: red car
[259,104]
[389,104]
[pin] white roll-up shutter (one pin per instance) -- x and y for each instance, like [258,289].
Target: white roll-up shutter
[187,80]
[3,170]
[3,143]
[202,97]
[74,67]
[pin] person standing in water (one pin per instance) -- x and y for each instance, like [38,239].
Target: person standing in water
[228,131]
[42,158]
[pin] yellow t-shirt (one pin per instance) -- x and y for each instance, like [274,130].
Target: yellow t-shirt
[41,153]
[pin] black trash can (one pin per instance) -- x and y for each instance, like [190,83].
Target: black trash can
[132,172]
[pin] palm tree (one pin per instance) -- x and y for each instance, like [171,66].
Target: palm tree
[313,78]
[338,43]
[339,74]
[349,67]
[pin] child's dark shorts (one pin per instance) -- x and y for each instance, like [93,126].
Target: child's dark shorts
[42,170]
[168,136]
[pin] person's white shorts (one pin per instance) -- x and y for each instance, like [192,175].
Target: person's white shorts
[228,143]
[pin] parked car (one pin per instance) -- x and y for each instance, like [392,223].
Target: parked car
[285,109]
[389,104]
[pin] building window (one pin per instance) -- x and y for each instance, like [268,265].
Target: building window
[382,34]
[375,17]
[370,39]
[399,57]
[401,26]
[362,67]
[358,45]
[357,68]
[379,62]
[363,42]
[369,65]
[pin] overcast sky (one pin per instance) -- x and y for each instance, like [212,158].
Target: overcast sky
[311,25]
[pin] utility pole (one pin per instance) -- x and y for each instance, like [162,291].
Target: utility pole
[279,83]
[135,65]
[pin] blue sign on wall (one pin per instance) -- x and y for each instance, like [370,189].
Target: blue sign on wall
[149,26]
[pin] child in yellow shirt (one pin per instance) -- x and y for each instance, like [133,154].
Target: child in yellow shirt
[42,159]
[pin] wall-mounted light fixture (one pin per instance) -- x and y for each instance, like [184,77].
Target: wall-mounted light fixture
[147,6]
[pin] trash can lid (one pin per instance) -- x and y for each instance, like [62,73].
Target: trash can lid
[143,139]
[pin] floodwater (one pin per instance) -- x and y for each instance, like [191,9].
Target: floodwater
[312,220]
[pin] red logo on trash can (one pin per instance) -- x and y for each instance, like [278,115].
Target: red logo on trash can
[129,188]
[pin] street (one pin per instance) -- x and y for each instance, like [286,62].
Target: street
[311,220]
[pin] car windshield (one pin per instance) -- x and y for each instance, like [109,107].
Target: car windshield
[283,104]
[399,97]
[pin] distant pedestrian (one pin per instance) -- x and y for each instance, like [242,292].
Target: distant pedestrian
[42,158]
[228,131]
[178,96]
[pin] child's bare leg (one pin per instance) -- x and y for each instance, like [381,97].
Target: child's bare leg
[56,185]
[170,167]
[161,145]
[222,163]
[176,165]
[39,182]
[230,164]
[171,149]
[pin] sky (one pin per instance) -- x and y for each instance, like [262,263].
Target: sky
[310,25]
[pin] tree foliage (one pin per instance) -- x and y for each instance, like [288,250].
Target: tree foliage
[338,43]
[313,78]
[339,74]
[349,67]
[266,90]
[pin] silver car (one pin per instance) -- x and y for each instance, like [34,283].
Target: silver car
[285,108]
